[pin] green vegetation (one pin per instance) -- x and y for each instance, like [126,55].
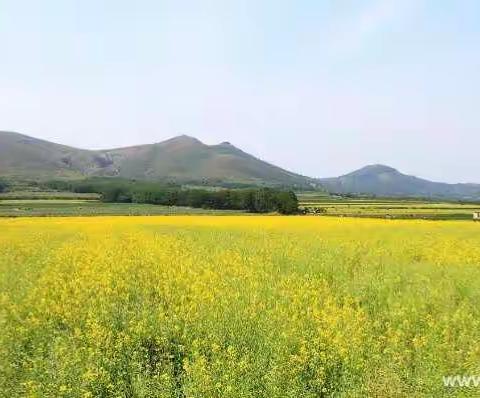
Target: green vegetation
[48,195]
[111,196]
[264,200]
[47,208]
[259,200]
[386,208]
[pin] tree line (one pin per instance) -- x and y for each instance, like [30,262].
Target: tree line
[255,200]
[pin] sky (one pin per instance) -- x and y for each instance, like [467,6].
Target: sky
[319,87]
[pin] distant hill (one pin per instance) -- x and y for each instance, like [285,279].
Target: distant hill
[383,180]
[183,159]
[24,156]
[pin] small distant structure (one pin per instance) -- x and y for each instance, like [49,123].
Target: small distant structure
[476,216]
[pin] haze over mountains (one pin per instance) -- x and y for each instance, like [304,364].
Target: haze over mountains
[186,159]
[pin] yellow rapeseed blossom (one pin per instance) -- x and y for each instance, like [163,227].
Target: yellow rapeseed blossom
[236,306]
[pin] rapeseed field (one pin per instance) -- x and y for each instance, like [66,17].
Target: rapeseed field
[237,306]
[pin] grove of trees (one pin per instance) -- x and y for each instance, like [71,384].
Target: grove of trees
[263,200]
[255,200]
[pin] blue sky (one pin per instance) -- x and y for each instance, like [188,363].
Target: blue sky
[318,87]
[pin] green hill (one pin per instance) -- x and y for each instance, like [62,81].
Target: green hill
[23,156]
[183,159]
[383,180]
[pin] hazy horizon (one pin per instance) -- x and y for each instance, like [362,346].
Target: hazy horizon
[318,89]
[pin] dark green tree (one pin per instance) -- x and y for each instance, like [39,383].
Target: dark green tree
[287,202]
[3,186]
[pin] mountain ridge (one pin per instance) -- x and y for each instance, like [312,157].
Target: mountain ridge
[185,159]
[382,180]
[181,158]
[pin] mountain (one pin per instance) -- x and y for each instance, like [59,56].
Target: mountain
[186,159]
[24,156]
[383,180]
[182,159]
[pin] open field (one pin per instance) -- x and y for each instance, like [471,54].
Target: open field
[73,207]
[237,306]
[390,208]
[51,204]
[47,195]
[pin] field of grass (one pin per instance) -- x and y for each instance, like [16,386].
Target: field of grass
[237,306]
[390,208]
[73,207]
[47,195]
